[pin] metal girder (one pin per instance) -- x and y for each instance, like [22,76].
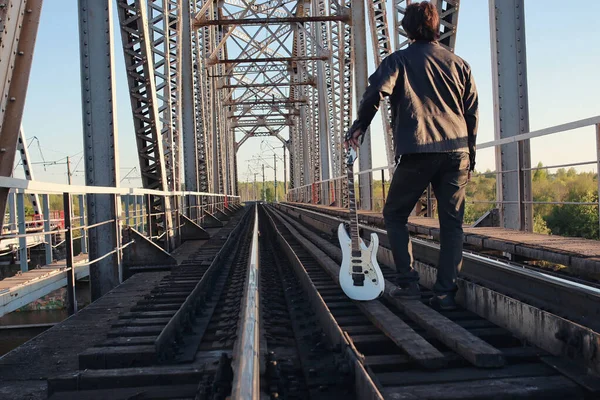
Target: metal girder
[19,21]
[203,45]
[101,155]
[382,47]
[361,81]
[200,44]
[266,21]
[251,124]
[322,41]
[195,178]
[269,59]
[242,69]
[511,112]
[263,8]
[137,49]
[266,84]
[260,102]
[448,11]
[163,20]
[341,87]
[25,161]
[174,32]
[276,114]
[240,34]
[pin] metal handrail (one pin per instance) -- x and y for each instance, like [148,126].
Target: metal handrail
[517,138]
[25,186]
[313,192]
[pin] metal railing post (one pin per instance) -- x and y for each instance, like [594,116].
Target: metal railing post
[382,188]
[149,216]
[117,199]
[199,208]
[126,199]
[429,202]
[598,170]
[47,225]
[82,223]
[22,231]
[167,228]
[72,301]
[139,210]
[12,212]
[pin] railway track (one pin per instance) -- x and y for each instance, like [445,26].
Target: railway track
[573,299]
[399,369]
[257,312]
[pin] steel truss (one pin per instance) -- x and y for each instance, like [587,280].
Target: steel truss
[138,51]
[448,10]
[163,17]
[19,21]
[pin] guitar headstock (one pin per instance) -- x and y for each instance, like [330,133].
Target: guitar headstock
[350,156]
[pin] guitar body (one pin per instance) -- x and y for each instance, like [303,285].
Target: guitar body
[360,275]
[373,284]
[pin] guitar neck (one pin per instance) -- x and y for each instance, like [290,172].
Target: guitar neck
[352,207]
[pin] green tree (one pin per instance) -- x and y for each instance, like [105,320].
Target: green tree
[540,175]
[575,220]
[269,194]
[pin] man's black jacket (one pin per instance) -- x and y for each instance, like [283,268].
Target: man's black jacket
[433,98]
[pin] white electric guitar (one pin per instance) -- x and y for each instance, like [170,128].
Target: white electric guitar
[360,275]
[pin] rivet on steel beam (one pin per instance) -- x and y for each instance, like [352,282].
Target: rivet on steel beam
[13,99]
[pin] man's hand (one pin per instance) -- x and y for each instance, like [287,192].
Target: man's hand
[354,140]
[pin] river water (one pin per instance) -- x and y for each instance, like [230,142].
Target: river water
[17,328]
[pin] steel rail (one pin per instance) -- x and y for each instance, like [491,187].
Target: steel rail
[246,379]
[189,305]
[576,300]
[365,385]
[554,333]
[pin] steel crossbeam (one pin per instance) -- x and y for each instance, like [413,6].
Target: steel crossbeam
[264,21]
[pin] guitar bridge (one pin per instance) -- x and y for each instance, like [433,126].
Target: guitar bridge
[358,279]
[357,273]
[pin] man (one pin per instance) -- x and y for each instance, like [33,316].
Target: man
[434,118]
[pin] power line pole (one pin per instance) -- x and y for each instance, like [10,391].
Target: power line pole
[264,195]
[69,170]
[275,173]
[255,191]
[284,173]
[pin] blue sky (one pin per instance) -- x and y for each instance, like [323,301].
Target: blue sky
[562,79]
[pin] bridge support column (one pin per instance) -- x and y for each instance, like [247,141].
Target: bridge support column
[100,138]
[190,153]
[511,112]
[361,76]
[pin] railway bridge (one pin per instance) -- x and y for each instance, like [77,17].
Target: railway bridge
[203,287]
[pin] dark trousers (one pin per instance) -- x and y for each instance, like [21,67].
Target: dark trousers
[447,173]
